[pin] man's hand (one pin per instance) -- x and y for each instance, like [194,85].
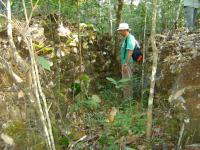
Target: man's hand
[130,53]
[125,68]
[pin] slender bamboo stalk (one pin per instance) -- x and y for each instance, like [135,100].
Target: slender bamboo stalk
[43,109]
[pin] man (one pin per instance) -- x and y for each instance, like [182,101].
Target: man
[191,7]
[127,48]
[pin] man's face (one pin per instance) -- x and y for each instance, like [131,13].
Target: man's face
[123,32]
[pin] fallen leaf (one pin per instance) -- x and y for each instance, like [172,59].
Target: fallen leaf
[112,114]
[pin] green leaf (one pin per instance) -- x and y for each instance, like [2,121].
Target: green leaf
[46,64]
[85,78]
[119,86]
[63,141]
[128,148]
[125,80]
[112,80]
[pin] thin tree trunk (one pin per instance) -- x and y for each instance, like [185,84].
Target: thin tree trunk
[178,14]
[110,18]
[15,55]
[144,52]
[118,17]
[154,68]
[79,39]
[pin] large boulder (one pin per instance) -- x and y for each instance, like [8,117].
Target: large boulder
[179,82]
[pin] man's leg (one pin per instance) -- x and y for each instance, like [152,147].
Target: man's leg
[128,89]
[190,18]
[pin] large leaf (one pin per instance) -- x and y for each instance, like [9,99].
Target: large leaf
[46,64]
[125,80]
[128,148]
[112,80]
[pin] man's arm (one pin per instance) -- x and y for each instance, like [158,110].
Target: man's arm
[130,52]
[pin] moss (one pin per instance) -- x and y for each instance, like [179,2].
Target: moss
[42,48]
[23,137]
[172,126]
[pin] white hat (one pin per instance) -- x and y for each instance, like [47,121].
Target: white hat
[123,26]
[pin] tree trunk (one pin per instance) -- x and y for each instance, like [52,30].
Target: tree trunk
[118,20]
[178,14]
[154,68]
[110,19]
[15,54]
[144,52]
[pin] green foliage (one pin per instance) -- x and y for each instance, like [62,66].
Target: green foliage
[126,121]
[81,86]
[109,95]
[46,64]
[42,48]
[123,123]
[119,84]
[63,142]
[92,102]
[129,120]
[76,88]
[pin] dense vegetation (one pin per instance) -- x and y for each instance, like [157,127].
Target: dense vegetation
[60,76]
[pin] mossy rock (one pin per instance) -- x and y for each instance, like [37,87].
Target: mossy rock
[24,137]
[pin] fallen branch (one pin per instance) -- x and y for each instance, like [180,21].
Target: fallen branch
[179,146]
[83,139]
[76,142]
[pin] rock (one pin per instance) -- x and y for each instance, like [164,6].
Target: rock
[75,50]
[21,94]
[181,80]
[60,53]
[7,139]
[37,32]
[63,31]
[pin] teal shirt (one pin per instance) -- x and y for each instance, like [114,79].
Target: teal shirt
[130,46]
